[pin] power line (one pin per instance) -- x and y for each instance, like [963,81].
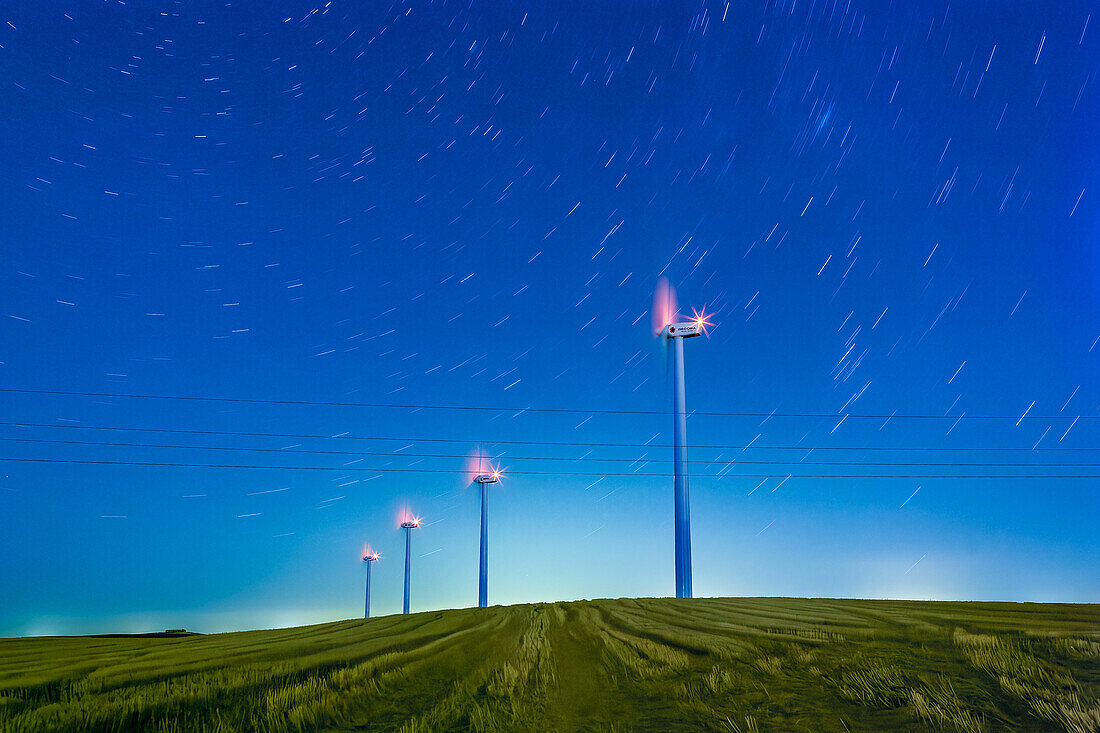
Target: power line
[571,459]
[344,469]
[578,444]
[521,410]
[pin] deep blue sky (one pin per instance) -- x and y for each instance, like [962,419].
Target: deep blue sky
[890,208]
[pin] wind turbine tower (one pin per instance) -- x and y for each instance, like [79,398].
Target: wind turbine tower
[677,332]
[483,575]
[408,525]
[369,557]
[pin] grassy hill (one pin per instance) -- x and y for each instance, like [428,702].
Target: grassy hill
[727,664]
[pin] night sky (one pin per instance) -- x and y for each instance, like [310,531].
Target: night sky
[890,208]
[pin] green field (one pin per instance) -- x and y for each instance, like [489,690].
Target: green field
[729,664]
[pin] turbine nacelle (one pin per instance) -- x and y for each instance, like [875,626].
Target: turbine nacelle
[488,478]
[697,326]
[371,557]
[411,524]
[684,330]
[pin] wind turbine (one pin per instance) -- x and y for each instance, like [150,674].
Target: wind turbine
[408,525]
[483,569]
[369,557]
[677,332]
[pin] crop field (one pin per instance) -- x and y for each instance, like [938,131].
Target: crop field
[730,664]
